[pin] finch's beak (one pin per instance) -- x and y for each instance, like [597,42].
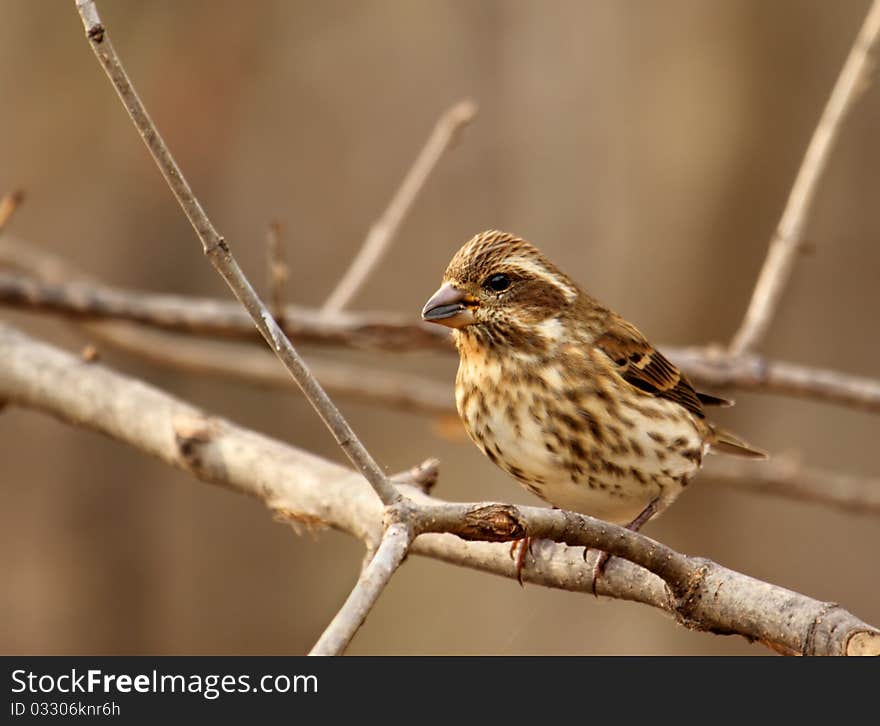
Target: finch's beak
[451,307]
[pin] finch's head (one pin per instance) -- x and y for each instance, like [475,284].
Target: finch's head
[502,284]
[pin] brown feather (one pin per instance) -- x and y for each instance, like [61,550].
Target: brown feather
[709,400]
[644,367]
[730,443]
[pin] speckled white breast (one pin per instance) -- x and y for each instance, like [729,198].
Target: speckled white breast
[613,478]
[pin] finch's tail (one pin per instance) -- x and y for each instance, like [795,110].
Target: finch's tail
[731,444]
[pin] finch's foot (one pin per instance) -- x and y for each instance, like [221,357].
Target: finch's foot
[520,557]
[603,557]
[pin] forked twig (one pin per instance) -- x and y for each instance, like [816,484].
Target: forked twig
[385,229]
[787,240]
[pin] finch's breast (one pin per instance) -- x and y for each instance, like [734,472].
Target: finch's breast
[577,443]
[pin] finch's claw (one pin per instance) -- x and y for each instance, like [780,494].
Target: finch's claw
[634,526]
[598,568]
[520,557]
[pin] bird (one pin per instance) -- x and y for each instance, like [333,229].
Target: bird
[564,394]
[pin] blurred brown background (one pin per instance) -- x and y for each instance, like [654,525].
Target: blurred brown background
[648,147]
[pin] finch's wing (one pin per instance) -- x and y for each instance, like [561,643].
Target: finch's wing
[640,365]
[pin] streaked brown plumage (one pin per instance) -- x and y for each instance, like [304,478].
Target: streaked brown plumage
[564,394]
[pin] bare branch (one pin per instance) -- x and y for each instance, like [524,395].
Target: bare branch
[218,252]
[8,206]
[375,576]
[787,240]
[385,229]
[302,486]
[388,332]
[218,318]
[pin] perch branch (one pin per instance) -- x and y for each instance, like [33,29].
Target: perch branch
[385,229]
[220,256]
[303,487]
[787,240]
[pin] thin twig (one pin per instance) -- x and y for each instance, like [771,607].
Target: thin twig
[756,373]
[384,230]
[375,576]
[8,205]
[218,318]
[786,476]
[303,487]
[710,366]
[218,252]
[278,270]
[787,240]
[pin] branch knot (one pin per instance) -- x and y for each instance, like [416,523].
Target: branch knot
[492,523]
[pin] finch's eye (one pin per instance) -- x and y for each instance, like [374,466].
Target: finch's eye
[498,283]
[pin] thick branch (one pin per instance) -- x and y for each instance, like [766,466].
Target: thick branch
[789,234]
[385,229]
[218,252]
[307,489]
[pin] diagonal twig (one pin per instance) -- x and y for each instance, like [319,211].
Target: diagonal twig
[385,229]
[220,256]
[787,240]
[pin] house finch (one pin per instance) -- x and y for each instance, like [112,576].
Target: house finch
[564,394]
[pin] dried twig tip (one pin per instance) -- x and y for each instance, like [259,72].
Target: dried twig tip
[8,204]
